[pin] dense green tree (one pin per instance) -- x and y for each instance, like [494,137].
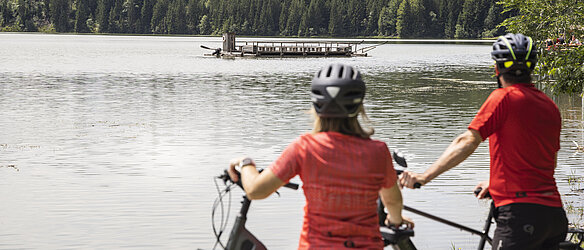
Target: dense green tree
[561,69]
[103,11]
[471,20]
[194,13]
[158,23]
[268,18]
[450,11]
[176,16]
[205,25]
[81,16]
[146,16]
[388,18]
[117,20]
[418,18]
[339,23]
[315,21]
[133,8]
[296,11]
[5,13]
[373,10]
[283,21]
[60,10]
[24,16]
[404,25]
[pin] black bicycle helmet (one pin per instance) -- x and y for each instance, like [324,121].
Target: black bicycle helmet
[514,53]
[337,91]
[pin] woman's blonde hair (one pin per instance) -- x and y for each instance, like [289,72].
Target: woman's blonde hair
[347,126]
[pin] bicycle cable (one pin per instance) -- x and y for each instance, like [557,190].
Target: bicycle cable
[224,219]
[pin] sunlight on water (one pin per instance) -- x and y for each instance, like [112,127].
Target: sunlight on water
[113,141]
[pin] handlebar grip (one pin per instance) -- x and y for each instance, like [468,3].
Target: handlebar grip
[478,190]
[291,185]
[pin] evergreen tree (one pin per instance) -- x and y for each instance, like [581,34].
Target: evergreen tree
[470,20]
[205,25]
[339,23]
[116,18]
[4,13]
[158,23]
[373,10]
[314,20]
[491,24]
[24,17]
[46,11]
[267,18]
[418,19]
[388,18]
[146,15]
[194,11]
[295,13]
[60,10]
[176,17]
[434,24]
[284,16]
[404,25]
[81,16]
[356,12]
[450,13]
[103,11]
[133,11]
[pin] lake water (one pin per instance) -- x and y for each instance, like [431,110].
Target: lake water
[112,142]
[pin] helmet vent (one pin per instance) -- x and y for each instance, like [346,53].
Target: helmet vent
[341,72]
[328,72]
[333,91]
[318,74]
[354,94]
[352,73]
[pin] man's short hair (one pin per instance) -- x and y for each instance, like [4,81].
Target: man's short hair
[511,77]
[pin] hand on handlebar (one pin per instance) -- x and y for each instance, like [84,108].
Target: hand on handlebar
[483,188]
[407,222]
[411,180]
[234,174]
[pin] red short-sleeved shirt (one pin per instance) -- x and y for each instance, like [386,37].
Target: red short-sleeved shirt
[523,126]
[341,176]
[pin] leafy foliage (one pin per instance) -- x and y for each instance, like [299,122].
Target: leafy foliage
[560,68]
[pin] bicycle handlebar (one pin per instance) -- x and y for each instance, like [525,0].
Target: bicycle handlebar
[401,161]
[225,177]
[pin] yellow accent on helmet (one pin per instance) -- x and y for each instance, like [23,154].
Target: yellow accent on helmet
[508,64]
[528,63]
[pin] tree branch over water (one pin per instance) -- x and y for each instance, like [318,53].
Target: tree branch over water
[561,66]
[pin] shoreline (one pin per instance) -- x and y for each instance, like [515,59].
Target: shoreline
[372,39]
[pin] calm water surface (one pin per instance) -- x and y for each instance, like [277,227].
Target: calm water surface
[112,142]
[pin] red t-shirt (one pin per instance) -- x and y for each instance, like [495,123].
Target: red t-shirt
[341,177]
[523,126]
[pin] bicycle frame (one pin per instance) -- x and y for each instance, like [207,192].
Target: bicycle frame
[240,238]
[484,234]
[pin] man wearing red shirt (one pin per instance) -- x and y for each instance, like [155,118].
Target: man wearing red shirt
[523,126]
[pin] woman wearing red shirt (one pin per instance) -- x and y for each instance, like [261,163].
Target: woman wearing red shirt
[342,169]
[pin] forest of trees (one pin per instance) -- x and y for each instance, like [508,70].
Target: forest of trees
[336,18]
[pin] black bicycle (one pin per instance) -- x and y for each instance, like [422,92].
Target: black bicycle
[574,241]
[241,238]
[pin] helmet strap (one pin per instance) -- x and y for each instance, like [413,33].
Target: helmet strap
[498,75]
